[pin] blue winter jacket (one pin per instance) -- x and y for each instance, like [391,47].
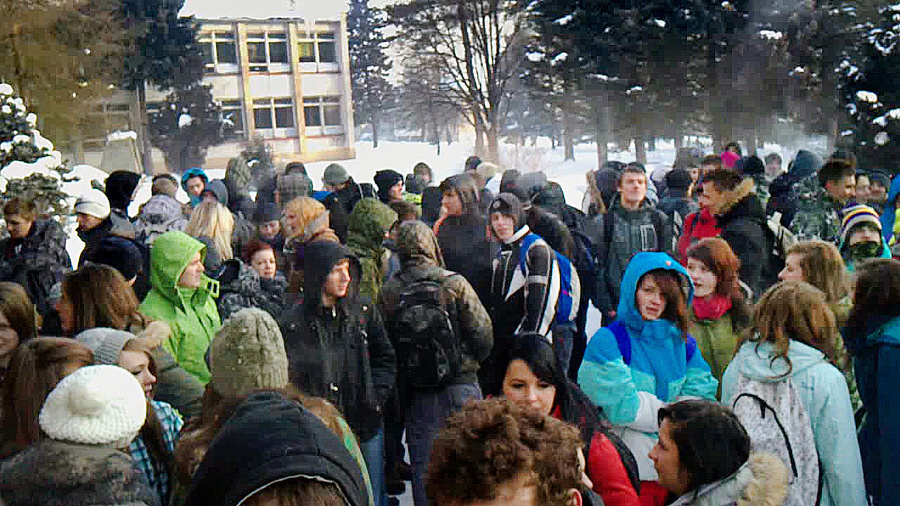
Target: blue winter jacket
[659,371]
[890,210]
[823,392]
[877,361]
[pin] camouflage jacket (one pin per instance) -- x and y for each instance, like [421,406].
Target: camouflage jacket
[421,259]
[369,222]
[819,216]
[762,188]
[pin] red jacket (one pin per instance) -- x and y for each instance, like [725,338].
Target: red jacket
[605,469]
[698,225]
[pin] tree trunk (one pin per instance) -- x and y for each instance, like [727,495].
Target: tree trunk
[679,139]
[568,137]
[374,123]
[493,139]
[751,143]
[651,144]
[640,149]
[602,140]
[146,146]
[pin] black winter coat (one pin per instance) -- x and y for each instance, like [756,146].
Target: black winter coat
[468,251]
[342,353]
[37,262]
[743,226]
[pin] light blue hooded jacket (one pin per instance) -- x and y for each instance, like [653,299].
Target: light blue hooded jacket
[659,371]
[823,392]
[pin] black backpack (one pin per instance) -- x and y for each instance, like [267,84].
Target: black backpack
[429,352]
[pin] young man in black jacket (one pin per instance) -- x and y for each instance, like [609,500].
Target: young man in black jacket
[338,349]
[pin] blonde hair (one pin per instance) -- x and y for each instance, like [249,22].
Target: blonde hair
[213,220]
[822,267]
[794,310]
[311,217]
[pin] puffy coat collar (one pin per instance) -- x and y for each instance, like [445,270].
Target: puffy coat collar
[737,195]
[761,481]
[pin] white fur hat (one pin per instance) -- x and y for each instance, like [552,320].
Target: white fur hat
[93,203]
[97,404]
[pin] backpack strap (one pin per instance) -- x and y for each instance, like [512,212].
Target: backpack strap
[690,348]
[607,233]
[763,407]
[622,340]
[527,241]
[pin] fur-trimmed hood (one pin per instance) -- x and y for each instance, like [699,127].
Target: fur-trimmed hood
[761,481]
[739,193]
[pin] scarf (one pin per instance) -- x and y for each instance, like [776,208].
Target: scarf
[712,307]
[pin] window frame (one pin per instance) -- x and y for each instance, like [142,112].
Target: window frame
[214,38]
[269,37]
[320,104]
[317,40]
[272,105]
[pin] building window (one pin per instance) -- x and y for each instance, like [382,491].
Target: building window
[233,114]
[322,115]
[267,52]
[275,115]
[219,52]
[318,52]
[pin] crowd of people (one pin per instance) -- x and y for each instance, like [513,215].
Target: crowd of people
[330,346]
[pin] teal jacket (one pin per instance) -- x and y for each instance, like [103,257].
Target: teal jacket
[659,371]
[191,312]
[823,392]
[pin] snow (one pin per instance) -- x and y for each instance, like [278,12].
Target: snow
[894,114]
[563,21]
[264,9]
[880,121]
[561,57]
[658,22]
[534,56]
[121,135]
[867,96]
[6,89]
[185,121]
[882,138]
[771,35]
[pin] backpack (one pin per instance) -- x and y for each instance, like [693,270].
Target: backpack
[624,342]
[586,264]
[777,423]
[569,284]
[779,240]
[428,349]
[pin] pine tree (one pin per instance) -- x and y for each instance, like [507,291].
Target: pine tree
[258,156]
[186,125]
[24,150]
[369,65]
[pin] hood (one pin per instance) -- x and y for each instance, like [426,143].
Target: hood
[782,184]
[162,206]
[369,221]
[806,164]
[641,264]
[733,199]
[416,244]
[218,188]
[756,363]
[890,210]
[761,481]
[196,171]
[270,439]
[170,255]
[120,186]
[319,258]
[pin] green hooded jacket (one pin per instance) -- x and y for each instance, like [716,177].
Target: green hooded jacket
[369,221]
[191,312]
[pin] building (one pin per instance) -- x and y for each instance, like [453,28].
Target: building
[278,77]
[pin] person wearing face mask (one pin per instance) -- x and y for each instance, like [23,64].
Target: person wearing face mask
[152,448]
[719,312]
[861,237]
[646,359]
[534,379]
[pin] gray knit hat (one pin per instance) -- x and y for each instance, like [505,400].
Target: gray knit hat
[106,343]
[248,354]
[335,174]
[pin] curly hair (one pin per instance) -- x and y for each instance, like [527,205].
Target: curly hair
[793,310]
[494,442]
[822,267]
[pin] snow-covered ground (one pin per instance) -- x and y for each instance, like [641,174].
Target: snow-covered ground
[402,156]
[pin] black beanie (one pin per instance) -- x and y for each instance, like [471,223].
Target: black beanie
[510,205]
[678,179]
[385,179]
[119,187]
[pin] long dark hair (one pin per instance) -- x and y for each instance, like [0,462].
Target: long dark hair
[101,297]
[574,406]
[874,300]
[712,443]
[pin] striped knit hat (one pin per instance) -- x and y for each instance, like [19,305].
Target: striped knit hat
[857,215]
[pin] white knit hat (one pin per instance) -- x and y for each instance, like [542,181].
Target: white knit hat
[97,404]
[93,203]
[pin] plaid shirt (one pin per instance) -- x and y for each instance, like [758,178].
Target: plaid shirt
[157,475]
